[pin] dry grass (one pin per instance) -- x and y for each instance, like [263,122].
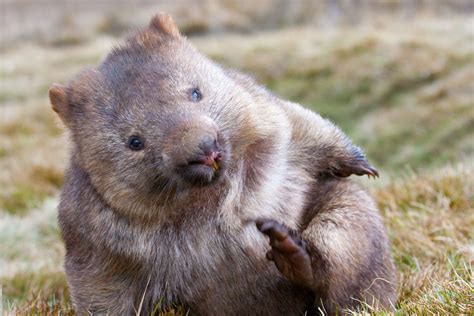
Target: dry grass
[33,152]
[404,92]
[74,23]
[430,219]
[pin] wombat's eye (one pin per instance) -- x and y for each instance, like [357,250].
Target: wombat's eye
[135,143]
[196,95]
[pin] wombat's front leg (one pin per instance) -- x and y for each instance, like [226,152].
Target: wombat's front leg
[342,254]
[289,252]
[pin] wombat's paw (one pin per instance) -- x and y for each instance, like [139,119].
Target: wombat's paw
[288,252]
[358,167]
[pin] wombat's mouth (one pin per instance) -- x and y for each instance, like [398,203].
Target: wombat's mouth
[203,169]
[200,173]
[213,160]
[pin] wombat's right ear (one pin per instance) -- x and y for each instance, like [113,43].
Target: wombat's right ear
[163,23]
[59,101]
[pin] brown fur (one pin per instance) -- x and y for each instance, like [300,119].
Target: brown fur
[135,229]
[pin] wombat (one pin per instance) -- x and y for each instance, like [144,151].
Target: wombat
[189,183]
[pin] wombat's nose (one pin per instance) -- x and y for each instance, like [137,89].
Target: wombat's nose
[208,145]
[210,153]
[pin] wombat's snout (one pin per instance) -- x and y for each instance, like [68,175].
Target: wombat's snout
[198,150]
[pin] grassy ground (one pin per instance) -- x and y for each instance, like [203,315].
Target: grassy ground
[403,92]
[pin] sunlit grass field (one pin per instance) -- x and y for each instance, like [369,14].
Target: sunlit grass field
[405,94]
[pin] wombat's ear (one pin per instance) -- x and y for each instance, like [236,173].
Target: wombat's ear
[163,23]
[59,101]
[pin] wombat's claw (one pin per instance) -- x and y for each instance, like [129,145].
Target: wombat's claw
[360,168]
[288,252]
[370,171]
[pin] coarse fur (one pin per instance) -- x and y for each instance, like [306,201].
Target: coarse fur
[147,226]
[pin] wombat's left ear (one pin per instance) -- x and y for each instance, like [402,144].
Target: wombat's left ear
[59,101]
[163,23]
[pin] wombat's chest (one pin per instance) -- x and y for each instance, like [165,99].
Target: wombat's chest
[219,270]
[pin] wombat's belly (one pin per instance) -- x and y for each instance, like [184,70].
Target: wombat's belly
[258,292]
[229,278]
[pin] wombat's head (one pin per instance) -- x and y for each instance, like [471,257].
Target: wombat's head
[154,114]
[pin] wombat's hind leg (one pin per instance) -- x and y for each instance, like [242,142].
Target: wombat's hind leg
[288,252]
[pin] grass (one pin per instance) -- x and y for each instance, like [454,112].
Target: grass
[430,219]
[28,125]
[403,92]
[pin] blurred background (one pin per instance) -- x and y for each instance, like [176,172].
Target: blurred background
[396,75]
